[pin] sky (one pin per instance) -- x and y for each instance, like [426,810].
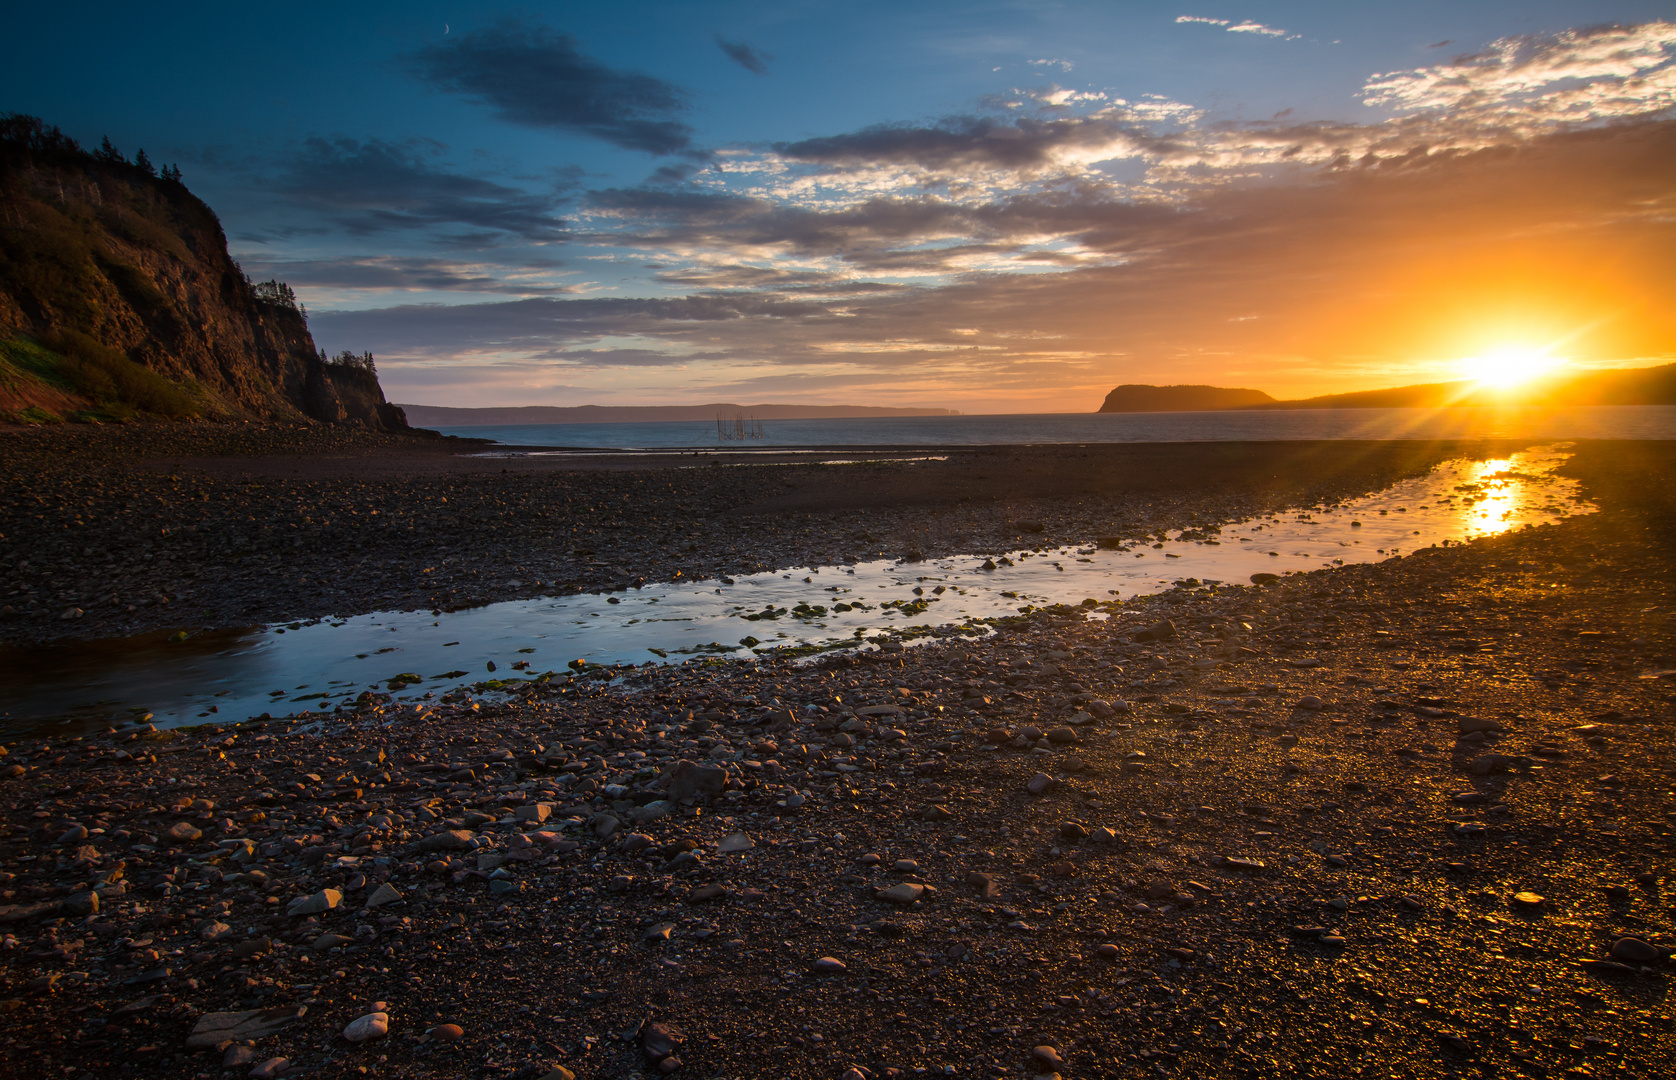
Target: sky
[989,206]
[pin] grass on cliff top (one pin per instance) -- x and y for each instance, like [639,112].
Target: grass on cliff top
[112,386]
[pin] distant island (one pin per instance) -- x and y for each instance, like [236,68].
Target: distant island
[1623,386]
[1139,397]
[446,416]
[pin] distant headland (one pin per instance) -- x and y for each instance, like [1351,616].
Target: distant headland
[1624,386]
[1139,397]
[447,416]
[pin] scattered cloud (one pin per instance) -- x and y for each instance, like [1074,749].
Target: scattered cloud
[1062,65]
[1531,82]
[1245,26]
[745,56]
[375,186]
[537,77]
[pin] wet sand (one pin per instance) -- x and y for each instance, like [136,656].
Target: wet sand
[1409,818]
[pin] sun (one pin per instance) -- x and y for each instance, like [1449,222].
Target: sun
[1509,365]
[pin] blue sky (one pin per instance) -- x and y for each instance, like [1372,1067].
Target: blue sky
[995,207]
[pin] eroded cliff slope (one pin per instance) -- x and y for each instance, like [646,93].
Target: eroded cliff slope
[118,299]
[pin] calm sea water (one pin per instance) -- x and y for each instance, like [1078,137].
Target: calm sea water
[1593,422]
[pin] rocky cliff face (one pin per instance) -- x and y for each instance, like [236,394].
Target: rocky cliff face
[118,297]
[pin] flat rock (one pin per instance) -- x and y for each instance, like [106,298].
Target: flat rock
[903,892]
[220,1027]
[830,965]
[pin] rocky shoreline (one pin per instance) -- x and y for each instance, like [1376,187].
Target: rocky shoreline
[1410,818]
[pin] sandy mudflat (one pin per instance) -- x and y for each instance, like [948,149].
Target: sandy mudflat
[201,527]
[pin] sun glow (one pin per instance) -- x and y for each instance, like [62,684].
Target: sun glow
[1509,365]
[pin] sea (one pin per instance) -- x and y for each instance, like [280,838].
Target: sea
[1583,422]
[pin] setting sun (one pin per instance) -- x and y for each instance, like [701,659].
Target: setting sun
[1509,365]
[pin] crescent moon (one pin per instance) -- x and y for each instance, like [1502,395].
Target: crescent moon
[444,29]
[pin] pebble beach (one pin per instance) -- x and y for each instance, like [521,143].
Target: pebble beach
[1408,818]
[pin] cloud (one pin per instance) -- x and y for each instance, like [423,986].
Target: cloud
[745,56]
[1246,26]
[1022,143]
[1360,270]
[1249,27]
[389,273]
[1531,82]
[1062,65]
[375,186]
[538,77]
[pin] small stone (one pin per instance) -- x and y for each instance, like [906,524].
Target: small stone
[447,1033]
[735,842]
[1040,784]
[688,780]
[74,835]
[180,833]
[384,894]
[1489,764]
[905,892]
[1635,951]
[271,1068]
[1047,1055]
[244,950]
[1062,735]
[236,1056]
[1528,899]
[450,840]
[367,1028]
[1072,831]
[330,941]
[828,965]
[558,1072]
[214,931]
[660,1040]
[323,901]
[1159,631]
[81,903]
[536,812]
[1468,725]
[1312,703]
[935,812]
[1107,951]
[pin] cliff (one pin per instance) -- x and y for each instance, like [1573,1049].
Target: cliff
[1139,397]
[118,299]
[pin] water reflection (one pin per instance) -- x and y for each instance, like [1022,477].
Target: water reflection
[326,664]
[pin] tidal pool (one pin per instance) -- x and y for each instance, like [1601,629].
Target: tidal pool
[285,668]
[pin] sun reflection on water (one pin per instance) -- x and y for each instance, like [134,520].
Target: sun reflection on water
[1492,496]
